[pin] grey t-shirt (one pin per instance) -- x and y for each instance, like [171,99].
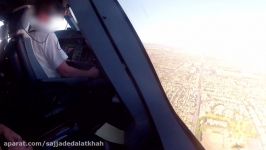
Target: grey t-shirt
[47,50]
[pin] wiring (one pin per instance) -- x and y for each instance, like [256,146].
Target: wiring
[40,42]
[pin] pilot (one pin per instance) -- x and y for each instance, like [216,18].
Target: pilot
[45,44]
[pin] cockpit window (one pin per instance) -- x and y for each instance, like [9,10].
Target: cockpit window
[210,58]
[1,24]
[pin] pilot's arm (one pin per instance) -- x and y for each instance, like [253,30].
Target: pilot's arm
[58,59]
[67,71]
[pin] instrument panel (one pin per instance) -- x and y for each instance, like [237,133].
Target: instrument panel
[76,48]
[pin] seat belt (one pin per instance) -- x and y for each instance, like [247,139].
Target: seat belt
[38,71]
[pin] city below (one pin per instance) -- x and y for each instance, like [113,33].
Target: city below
[220,103]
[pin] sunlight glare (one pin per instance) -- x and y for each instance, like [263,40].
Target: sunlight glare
[58,23]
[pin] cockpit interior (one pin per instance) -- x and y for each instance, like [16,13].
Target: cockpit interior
[76,109]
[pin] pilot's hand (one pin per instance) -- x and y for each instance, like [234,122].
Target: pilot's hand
[9,135]
[93,72]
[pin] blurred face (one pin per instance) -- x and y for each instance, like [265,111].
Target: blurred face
[45,15]
[48,16]
[48,13]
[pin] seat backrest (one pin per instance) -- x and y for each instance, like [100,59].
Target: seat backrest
[20,19]
[23,51]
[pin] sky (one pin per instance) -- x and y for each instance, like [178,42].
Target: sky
[223,28]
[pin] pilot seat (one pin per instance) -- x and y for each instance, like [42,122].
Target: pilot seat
[35,105]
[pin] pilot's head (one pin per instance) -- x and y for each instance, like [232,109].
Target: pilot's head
[46,9]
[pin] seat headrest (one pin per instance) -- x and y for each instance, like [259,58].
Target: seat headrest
[20,19]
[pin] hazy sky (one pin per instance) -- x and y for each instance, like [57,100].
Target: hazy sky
[215,27]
